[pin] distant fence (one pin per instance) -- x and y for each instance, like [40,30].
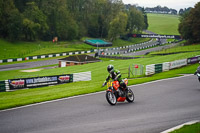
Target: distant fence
[117,57]
[35,82]
[166,66]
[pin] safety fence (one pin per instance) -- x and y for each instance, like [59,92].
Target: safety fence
[132,71]
[166,66]
[35,82]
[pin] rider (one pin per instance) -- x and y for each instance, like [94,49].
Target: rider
[198,71]
[114,75]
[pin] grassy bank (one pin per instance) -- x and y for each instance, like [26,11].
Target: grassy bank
[163,24]
[24,49]
[190,48]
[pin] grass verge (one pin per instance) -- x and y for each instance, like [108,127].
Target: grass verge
[194,128]
[163,24]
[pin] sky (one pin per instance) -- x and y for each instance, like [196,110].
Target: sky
[174,4]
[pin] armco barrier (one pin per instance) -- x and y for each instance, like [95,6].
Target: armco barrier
[34,82]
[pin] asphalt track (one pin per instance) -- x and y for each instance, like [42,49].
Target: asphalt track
[158,106]
[28,65]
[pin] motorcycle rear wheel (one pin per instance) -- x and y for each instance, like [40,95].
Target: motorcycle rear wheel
[130,95]
[111,98]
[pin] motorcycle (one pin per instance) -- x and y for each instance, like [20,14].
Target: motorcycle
[114,94]
[198,75]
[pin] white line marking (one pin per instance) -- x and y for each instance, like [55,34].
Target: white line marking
[57,100]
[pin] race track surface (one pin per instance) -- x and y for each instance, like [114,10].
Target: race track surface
[158,106]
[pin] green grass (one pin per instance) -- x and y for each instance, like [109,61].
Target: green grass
[24,49]
[194,128]
[163,24]
[194,47]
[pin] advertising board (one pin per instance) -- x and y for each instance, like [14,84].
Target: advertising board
[177,63]
[39,81]
[193,60]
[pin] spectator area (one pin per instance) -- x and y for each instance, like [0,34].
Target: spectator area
[99,42]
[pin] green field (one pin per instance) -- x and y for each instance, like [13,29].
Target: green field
[193,48]
[163,24]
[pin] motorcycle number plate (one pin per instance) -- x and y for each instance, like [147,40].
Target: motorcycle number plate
[109,84]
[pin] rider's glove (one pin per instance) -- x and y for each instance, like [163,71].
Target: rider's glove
[104,84]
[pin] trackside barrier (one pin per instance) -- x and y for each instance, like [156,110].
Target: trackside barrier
[166,66]
[158,68]
[150,69]
[35,82]
[2,86]
[178,63]
[83,76]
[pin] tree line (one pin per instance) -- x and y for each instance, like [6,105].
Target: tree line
[189,26]
[31,20]
[159,9]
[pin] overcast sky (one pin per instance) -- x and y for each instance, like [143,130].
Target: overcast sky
[175,4]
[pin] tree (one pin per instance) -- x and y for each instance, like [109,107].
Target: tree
[59,20]
[135,21]
[34,22]
[189,26]
[118,26]
[10,20]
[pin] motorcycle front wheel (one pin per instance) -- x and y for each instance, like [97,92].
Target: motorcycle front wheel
[111,98]
[130,96]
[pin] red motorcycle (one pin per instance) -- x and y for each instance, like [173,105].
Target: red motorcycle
[114,94]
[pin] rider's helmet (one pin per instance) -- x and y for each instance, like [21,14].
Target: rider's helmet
[110,68]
